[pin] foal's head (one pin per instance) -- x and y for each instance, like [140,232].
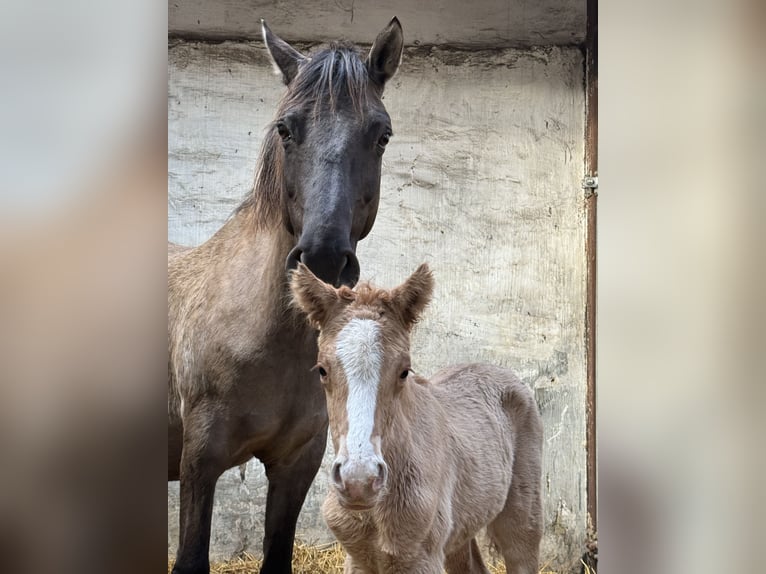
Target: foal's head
[327,145]
[364,366]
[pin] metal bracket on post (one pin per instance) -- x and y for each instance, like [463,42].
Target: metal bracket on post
[590,185]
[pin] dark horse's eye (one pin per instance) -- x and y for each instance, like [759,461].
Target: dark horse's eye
[284,132]
[384,139]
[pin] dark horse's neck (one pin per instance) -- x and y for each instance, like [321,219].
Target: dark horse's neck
[248,257]
[253,245]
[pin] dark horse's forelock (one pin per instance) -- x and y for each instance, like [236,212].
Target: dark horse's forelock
[336,75]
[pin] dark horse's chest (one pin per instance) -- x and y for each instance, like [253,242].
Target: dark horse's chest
[279,397]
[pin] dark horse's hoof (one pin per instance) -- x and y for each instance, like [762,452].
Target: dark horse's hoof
[191,569]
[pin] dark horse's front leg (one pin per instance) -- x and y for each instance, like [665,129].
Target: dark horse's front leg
[201,465]
[288,485]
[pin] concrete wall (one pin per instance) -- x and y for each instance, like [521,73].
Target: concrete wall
[482,180]
[479,23]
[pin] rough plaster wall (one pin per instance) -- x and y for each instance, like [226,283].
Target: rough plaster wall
[499,23]
[482,180]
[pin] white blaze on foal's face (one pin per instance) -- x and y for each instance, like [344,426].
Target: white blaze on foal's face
[359,471]
[360,353]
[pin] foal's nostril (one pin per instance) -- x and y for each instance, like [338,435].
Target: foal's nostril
[380,480]
[336,477]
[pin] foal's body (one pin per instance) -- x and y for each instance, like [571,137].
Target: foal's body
[455,466]
[421,466]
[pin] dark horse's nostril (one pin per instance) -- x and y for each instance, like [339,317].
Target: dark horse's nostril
[293,258]
[349,274]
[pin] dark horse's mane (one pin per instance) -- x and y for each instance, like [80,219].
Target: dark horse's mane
[333,75]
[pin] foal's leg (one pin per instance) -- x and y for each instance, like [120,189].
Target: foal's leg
[358,537]
[416,563]
[466,560]
[288,485]
[201,465]
[352,567]
[517,530]
[358,562]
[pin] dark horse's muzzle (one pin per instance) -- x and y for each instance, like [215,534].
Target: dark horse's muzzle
[330,263]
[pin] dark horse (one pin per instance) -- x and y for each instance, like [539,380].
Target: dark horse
[240,382]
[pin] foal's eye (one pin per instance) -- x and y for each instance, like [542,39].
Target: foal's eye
[404,374]
[322,372]
[384,139]
[284,132]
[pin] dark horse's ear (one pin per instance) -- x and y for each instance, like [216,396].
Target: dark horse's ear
[412,296]
[313,296]
[386,53]
[286,58]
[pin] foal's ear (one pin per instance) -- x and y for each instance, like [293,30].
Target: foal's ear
[412,296]
[315,297]
[386,53]
[286,59]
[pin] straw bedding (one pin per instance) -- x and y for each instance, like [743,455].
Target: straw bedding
[324,559]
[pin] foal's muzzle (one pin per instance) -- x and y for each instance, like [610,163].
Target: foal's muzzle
[359,482]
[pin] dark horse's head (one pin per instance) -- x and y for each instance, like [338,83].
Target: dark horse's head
[327,143]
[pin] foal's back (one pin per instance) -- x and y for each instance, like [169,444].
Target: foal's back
[481,390]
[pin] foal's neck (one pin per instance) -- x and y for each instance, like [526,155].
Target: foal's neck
[415,409]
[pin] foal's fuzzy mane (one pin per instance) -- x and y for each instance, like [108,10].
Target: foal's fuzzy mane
[365,294]
[334,75]
[367,297]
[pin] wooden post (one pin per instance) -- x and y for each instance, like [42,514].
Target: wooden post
[591,170]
